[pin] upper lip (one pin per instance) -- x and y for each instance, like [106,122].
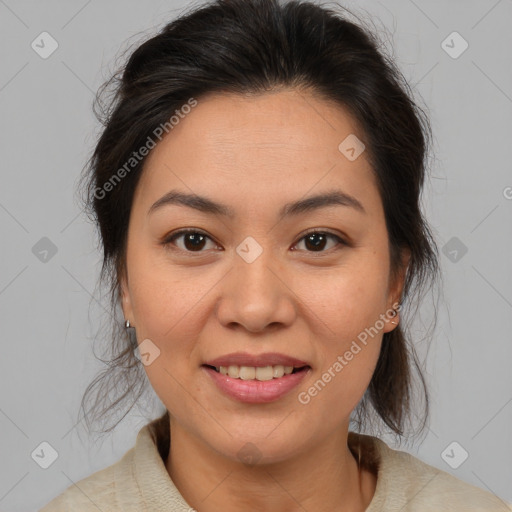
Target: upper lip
[266,359]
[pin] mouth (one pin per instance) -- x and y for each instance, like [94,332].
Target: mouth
[256,384]
[261,373]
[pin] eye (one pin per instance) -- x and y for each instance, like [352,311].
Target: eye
[316,240]
[193,240]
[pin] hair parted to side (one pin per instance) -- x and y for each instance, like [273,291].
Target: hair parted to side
[252,47]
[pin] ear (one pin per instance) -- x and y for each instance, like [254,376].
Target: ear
[124,295]
[396,289]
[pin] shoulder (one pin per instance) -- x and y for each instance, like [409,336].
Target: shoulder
[87,494]
[95,492]
[138,481]
[406,483]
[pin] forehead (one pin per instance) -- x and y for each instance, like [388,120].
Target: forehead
[251,150]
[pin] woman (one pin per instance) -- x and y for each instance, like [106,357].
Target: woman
[257,189]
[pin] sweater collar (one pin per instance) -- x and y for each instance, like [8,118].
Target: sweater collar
[159,492]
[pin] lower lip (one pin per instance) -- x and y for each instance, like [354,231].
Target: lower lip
[256,391]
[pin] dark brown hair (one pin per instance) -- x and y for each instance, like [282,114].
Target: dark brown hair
[251,47]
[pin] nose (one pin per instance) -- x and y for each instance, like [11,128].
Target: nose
[255,296]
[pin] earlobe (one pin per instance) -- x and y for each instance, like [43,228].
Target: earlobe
[396,293]
[392,317]
[124,297]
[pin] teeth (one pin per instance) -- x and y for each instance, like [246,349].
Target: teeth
[252,372]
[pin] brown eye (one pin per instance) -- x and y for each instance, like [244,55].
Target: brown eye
[316,241]
[193,241]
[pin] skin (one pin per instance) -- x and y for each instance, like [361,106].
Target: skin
[254,154]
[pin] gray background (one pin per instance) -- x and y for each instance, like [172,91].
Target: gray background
[47,314]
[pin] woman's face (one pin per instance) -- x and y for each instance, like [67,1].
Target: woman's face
[256,282]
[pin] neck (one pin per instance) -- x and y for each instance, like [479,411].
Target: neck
[324,477]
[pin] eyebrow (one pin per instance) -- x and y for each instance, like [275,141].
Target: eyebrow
[206,205]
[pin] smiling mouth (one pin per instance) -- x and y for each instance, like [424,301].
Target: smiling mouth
[262,373]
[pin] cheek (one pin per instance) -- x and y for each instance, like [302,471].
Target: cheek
[343,309]
[166,297]
[167,305]
[345,300]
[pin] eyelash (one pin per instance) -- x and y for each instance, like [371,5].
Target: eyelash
[167,241]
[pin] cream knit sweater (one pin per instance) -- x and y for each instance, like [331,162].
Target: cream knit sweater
[139,482]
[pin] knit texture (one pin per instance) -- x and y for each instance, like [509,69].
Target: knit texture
[139,482]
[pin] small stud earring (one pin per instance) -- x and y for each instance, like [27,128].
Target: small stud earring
[395,312]
[127,324]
